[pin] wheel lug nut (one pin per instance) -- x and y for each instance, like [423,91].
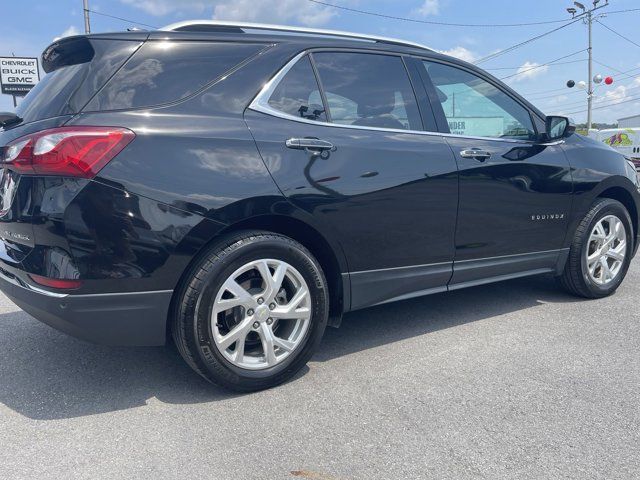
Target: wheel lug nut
[272,306]
[256,324]
[250,312]
[261,300]
[269,321]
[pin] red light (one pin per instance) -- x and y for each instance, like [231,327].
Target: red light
[56,282]
[67,151]
[608,80]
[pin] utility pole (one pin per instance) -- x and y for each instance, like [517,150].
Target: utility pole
[15,101]
[590,82]
[588,18]
[85,8]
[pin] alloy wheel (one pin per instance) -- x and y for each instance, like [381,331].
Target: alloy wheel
[606,250]
[261,314]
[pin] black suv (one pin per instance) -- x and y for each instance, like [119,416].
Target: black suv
[240,187]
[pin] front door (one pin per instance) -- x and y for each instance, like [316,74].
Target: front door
[515,193]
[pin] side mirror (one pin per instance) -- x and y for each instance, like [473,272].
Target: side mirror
[558,127]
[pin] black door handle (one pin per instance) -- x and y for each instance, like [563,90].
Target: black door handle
[476,153]
[314,146]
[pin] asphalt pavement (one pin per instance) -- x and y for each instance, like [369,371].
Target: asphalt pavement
[512,380]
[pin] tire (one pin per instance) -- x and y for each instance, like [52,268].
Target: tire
[576,278]
[205,295]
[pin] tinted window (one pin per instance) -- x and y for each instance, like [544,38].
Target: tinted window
[368,90]
[476,108]
[298,94]
[167,71]
[77,68]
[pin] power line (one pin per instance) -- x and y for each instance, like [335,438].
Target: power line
[607,66]
[449,24]
[127,20]
[621,102]
[581,102]
[625,73]
[558,90]
[613,12]
[431,22]
[526,42]
[628,86]
[554,63]
[604,104]
[572,92]
[625,76]
[544,91]
[601,102]
[631,89]
[612,104]
[567,105]
[535,67]
[618,34]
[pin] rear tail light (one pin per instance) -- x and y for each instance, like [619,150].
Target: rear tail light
[66,151]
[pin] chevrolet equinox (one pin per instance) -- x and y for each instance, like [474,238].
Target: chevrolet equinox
[239,187]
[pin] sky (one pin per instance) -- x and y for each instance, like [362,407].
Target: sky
[28,26]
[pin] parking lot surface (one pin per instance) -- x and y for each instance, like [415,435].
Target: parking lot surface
[512,380]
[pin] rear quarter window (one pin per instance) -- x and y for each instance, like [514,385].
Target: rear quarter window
[167,71]
[78,68]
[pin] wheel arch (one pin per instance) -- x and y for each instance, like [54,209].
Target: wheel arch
[625,197]
[328,254]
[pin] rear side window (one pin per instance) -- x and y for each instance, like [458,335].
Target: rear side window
[77,68]
[298,93]
[369,90]
[167,71]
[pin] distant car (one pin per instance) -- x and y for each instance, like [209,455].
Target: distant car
[238,187]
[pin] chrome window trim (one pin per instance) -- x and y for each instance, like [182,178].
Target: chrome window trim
[260,104]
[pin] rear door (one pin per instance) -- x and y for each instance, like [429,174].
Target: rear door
[515,192]
[354,155]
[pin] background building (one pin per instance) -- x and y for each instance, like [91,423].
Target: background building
[629,122]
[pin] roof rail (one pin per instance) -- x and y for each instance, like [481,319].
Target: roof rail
[203,25]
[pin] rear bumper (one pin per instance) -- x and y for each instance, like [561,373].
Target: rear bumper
[123,319]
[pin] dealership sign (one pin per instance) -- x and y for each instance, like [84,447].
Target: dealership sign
[18,75]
